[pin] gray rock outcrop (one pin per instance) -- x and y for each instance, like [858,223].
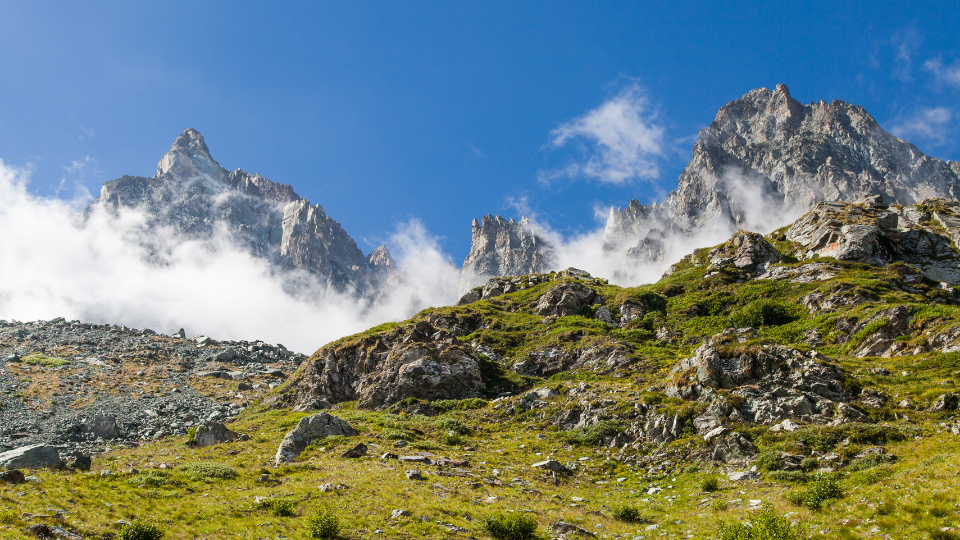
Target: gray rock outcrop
[308,430]
[35,456]
[565,299]
[196,198]
[211,433]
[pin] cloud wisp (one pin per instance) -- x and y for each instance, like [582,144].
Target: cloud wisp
[52,264]
[621,141]
[929,123]
[948,75]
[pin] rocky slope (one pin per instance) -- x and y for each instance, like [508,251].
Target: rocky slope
[193,197]
[86,386]
[765,159]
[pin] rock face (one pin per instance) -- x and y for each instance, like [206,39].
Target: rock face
[504,248]
[765,159]
[423,361]
[308,430]
[565,299]
[774,383]
[196,198]
[922,235]
[35,456]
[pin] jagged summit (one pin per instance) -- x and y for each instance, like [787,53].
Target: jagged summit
[764,161]
[192,195]
[502,247]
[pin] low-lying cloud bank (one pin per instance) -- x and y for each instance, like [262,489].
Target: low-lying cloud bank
[53,264]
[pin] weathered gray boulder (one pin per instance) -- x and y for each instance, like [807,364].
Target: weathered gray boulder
[211,433]
[550,465]
[565,299]
[31,457]
[562,529]
[357,451]
[308,430]
[103,426]
[14,476]
[734,448]
[946,402]
[745,250]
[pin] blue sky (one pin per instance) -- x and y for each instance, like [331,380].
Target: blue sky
[446,111]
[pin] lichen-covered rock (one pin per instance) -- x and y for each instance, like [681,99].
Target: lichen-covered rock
[424,360]
[308,430]
[565,299]
[734,448]
[745,250]
[211,433]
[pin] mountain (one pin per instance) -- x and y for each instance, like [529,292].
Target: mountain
[193,197]
[501,247]
[764,160]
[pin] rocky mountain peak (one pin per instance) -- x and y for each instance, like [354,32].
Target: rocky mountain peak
[190,140]
[189,158]
[380,260]
[502,247]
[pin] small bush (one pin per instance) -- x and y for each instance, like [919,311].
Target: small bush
[823,488]
[809,464]
[447,405]
[870,461]
[593,435]
[764,524]
[788,476]
[325,525]
[628,514]
[769,461]
[719,505]
[937,534]
[710,484]
[763,313]
[452,424]
[140,530]
[280,507]
[149,479]
[514,526]
[207,471]
[453,439]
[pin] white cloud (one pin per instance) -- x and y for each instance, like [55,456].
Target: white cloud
[931,123]
[53,266]
[906,43]
[949,75]
[621,140]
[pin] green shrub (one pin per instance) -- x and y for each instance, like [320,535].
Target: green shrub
[769,460]
[764,313]
[149,478]
[447,405]
[710,484]
[325,525]
[937,534]
[452,424]
[280,507]
[140,530]
[808,464]
[42,360]
[453,439]
[513,526]
[764,524]
[823,488]
[592,435]
[628,514]
[719,505]
[870,461]
[207,471]
[788,476]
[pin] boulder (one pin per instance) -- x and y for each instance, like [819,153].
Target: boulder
[211,433]
[79,462]
[308,430]
[550,465]
[747,251]
[31,457]
[562,529]
[14,476]
[734,448]
[946,402]
[565,299]
[357,451]
[741,476]
[103,426]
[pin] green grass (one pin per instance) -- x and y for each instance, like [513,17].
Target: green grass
[510,526]
[39,359]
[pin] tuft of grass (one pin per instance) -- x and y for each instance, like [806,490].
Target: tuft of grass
[870,461]
[280,507]
[710,484]
[513,526]
[824,487]
[592,435]
[764,524]
[200,472]
[140,530]
[324,526]
[42,360]
[764,313]
[628,514]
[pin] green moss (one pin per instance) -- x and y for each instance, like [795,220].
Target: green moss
[42,360]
